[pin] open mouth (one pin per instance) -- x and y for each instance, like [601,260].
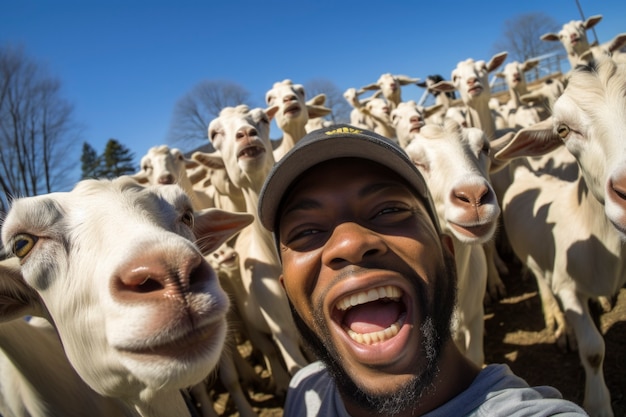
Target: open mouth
[416,126]
[474,91]
[372,316]
[292,109]
[251,151]
[230,260]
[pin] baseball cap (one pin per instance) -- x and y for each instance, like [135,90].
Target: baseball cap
[337,141]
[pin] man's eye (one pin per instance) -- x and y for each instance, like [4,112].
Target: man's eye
[303,233]
[390,210]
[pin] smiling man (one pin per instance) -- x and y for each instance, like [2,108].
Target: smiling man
[372,285]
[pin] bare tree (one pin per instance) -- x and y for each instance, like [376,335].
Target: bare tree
[37,134]
[521,36]
[334,99]
[195,110]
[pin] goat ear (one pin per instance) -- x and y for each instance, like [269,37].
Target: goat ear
[406,80]
[370,87]
[190,163]
[318,100]
[549,37]
[17,299]
[496,61]
[430,110]
[271,111]
[529,64]
[212,160]
[317,111]
[617,43]
[198,175]
[592,21]
[443,86]
[140,177]
[535,140]
[213,227]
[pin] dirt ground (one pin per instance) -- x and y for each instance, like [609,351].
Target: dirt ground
[515,334]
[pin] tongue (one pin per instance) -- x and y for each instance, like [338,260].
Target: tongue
[372,317]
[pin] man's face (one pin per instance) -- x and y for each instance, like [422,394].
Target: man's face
[364,270]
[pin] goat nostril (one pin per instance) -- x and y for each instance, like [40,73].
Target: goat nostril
[200,273]
[147,285]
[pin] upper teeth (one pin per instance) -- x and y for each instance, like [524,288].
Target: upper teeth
[374,294]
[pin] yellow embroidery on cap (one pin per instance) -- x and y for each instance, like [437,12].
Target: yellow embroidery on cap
[343,130]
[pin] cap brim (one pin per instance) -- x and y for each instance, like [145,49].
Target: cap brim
[323,148]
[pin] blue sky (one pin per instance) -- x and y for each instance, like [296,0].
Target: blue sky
[124,64]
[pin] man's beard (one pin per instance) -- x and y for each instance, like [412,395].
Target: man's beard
[435,331]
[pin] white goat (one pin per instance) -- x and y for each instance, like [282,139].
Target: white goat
[573,37]
[357,117]
[468,211]
[317,122]
[226,195]
[391,87]
[378,117]
[241,136]
[139,311]
[470,79]
[446,99]
[162,165]
[240,374]
[545,95]
[293,112]
[36,378]
[517,113]
[408,118]
[571,234]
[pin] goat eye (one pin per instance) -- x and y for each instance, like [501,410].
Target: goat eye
[187,218]
[563,130]
[23,243]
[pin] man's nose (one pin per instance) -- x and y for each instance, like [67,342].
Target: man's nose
[351,243]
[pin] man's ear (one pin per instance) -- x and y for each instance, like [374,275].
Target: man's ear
[446,242]
[281,279]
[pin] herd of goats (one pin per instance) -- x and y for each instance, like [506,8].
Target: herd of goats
[139,291]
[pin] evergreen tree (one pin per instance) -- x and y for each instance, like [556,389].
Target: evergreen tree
[117,160]
[90,162]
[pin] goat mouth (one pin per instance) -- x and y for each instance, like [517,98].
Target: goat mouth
[474,91]
[193,343]
[229,261]
[251,151]
[472,231]
[371,316]
[415,127]
[292,109]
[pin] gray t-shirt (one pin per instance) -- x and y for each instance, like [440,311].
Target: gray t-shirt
[496,391]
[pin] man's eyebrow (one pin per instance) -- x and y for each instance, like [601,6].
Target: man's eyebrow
[303,204]
[382,186]
[369,189]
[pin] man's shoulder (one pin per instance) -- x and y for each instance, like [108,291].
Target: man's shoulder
[504,393]
[312,392]
[313,374]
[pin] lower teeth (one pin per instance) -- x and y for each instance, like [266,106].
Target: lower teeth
[375,337]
